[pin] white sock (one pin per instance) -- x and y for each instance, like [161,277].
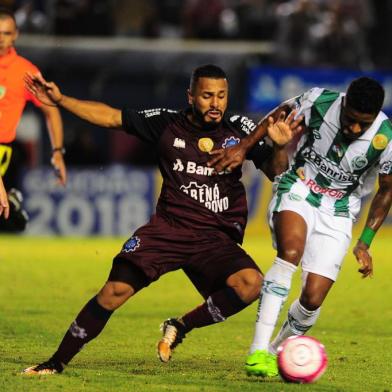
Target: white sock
[299,321]
[276,286]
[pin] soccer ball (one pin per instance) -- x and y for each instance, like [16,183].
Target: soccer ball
[301,359]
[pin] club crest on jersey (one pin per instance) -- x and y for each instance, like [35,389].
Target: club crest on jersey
[205,144]
[131,245]
[179,143]
[359,162]
[230,141]
[380,142]
[2,91]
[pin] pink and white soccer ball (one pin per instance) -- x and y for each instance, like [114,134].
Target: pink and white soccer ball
[301,359]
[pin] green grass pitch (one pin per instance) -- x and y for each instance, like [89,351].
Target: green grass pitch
[45,282]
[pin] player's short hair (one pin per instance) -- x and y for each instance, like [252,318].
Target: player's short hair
[7,13]
[365,95]
[206,71]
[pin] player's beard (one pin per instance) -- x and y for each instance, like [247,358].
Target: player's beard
[199,118]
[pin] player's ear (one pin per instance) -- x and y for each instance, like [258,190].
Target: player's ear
[190,96]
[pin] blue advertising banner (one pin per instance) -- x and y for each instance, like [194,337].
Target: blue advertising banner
[111,201]
[118,199]
[269,86]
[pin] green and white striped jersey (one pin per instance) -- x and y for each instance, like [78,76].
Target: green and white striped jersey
[326,170]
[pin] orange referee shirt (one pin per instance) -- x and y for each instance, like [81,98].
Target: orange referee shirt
[13,94]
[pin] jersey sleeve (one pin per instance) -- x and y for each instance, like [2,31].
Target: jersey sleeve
[386,161]
[262,150]
[148,125]
[303,103]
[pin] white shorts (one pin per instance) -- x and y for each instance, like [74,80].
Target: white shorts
[328,237]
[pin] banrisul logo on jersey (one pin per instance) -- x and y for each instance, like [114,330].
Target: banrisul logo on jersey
[207,195]
[192,168]
[328,168]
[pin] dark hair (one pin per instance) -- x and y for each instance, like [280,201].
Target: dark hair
[365,95]
[206,71]
[7,13]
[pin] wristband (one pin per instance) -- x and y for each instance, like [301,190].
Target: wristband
[367,236]
[59,149]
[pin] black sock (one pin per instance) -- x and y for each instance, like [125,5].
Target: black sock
[88,324]
[217,308]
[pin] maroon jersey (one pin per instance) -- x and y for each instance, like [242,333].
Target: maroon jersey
[193,196]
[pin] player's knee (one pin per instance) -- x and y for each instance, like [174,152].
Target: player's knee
[114,294]
[247,284]
[290,254]
[311,301]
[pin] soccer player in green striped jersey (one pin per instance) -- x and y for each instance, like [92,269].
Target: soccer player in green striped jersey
[345,146]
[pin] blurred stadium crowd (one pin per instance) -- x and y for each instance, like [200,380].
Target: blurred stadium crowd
[346,33]
[342,34]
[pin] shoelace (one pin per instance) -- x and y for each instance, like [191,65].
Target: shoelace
[170,334]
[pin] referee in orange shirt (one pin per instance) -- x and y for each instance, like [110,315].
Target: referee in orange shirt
[13,97]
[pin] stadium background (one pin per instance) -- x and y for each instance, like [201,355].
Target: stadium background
[140,54]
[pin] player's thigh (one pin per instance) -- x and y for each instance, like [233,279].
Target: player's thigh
[155,249]
[210,270]
[291,220]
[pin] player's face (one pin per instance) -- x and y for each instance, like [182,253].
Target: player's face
[209,101]
[8,34]
[354,123]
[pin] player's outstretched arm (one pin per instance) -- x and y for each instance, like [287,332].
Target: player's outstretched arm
[280,129]
[4,206]
[379,209]
[96,113]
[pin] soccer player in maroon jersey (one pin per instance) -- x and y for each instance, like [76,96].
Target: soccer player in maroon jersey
[197,210]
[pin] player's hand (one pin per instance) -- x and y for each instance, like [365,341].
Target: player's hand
[227,159]
[60,170]
[361,252]
[284,129]
[47,92]
[4,205]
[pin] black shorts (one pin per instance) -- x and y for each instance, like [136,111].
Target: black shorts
[208,258]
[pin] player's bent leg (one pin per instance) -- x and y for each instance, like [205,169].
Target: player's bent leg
[290,230]
[246,283]
[243,288]
[114,294]
[303,313]
[88,325]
